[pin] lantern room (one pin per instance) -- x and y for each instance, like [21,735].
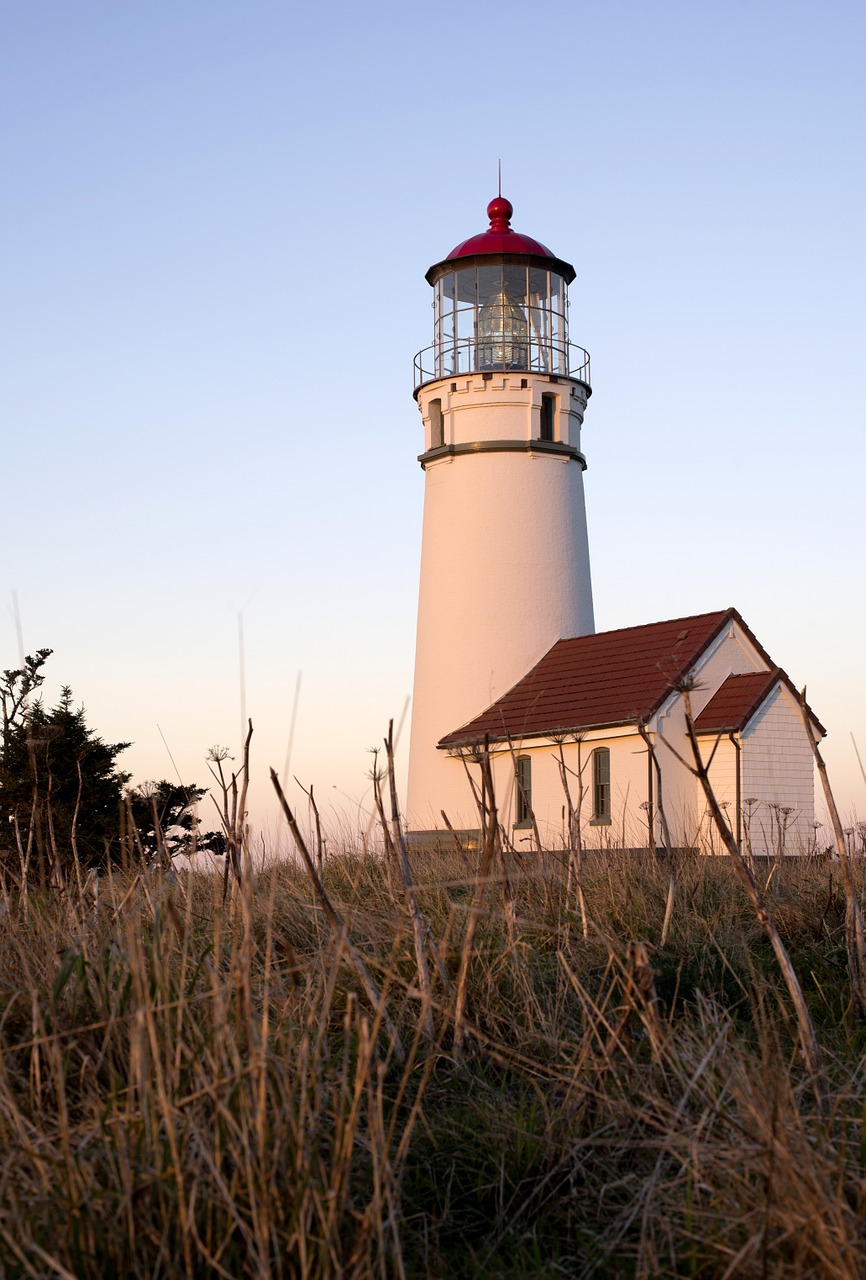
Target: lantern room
[500,303]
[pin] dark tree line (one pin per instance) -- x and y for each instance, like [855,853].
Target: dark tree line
[63,795]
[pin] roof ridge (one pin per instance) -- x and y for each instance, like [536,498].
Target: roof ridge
[642,626]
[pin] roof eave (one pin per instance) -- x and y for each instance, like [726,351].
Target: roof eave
[558,265]
[446,744]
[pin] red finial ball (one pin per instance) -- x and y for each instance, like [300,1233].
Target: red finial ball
[499,212]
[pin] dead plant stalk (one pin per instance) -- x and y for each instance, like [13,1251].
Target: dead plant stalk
[672,882]
[338,924]
[419,929]
[808,1042]
[491,833]
[854,928]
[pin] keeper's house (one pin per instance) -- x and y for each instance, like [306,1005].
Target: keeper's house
[577,716]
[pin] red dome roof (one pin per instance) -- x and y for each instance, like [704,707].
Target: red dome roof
[499,238]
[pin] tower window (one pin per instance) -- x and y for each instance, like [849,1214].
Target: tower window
[548,417]
[601,785]
[437,429]
[524,791]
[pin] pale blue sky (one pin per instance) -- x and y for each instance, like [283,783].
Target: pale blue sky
[214,228]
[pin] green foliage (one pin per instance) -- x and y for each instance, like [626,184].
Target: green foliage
[17,685]
[62,794]
[58,775]
[165,819]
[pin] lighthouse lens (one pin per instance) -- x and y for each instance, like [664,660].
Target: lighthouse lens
[502,331]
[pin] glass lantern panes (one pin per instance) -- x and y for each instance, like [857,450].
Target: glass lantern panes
[500,316]
[444,326]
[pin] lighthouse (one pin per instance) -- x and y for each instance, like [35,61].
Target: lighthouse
[505,569]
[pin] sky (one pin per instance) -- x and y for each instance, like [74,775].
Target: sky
[214,227]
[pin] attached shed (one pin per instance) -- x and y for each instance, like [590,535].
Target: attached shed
[574,740]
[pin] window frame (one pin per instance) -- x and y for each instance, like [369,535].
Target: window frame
[547,427]
[601,788]
[523,791]
[437,424]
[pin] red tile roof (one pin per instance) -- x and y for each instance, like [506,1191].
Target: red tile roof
[611,678]
[736,701]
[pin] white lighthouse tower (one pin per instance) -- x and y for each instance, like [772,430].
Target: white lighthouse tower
[505,556]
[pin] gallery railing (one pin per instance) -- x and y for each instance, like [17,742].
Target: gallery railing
[471,355]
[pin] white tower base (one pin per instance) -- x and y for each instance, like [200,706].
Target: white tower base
[504,561]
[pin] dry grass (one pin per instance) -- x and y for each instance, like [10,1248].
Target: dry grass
[193,1088]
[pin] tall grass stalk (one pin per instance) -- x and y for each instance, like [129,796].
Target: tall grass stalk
[808,1041]
[855,931]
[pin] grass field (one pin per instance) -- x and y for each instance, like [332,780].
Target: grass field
[192,1087]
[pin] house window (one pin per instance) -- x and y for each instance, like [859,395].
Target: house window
[437,429]
[601,785]
[524,791]
[548,417]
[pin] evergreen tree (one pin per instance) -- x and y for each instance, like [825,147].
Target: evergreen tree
[62,792]
[165,812]
[59,779]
